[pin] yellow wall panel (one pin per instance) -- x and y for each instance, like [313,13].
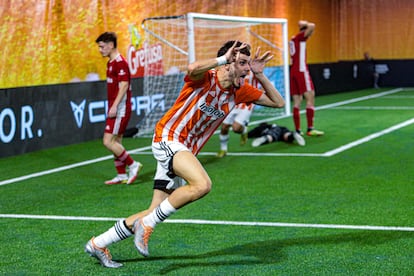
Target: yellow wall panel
[53,41]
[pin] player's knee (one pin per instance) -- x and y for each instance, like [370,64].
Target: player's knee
[224,129]
[237,128]
[202,188]
[205,188]
[106,143]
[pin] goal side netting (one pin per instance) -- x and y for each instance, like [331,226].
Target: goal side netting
[194,36]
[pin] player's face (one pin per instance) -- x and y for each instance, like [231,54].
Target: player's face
[240,69]
[105,48]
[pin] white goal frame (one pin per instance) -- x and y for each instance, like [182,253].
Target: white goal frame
[188,25]
[253,20]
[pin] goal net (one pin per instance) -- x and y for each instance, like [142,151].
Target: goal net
[194,36]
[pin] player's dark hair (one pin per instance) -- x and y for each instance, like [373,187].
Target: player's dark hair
[107,37]
[303,28]
[223,50]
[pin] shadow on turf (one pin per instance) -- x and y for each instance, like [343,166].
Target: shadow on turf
[269,252]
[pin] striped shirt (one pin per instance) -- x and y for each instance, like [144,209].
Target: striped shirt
[251,79]
[199,110]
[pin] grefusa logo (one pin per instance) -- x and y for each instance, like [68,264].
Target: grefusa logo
[149,56]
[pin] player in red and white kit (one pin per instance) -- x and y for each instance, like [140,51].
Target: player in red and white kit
[301,84]
[206,99]
[238,120]
[118,80]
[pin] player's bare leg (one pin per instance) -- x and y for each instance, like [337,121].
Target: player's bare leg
[187,166]
[157,197]
[242,130]
[224,140]
[310,114]
[114,144]
[297,100]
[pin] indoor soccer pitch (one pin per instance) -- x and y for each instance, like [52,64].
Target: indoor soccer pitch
[341,205]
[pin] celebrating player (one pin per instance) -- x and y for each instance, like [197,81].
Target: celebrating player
[118,80]
[301,84]
[238,120]
[205,100]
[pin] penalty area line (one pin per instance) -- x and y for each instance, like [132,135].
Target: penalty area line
[368,138]
[68,167]
[142,150]
[222,222]
[329,153]
[263,154]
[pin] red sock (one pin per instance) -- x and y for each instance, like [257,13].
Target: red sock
[296,118]
[310,114]
[124,157]
[120,166]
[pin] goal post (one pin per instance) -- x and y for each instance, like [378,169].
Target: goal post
[195,36]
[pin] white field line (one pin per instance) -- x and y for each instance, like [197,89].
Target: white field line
[333,105]
[328,153]
[374,108]
[400,97]
[63,168]
[368,138]
[141,150]
[373,96]
[270,154]
[221,222]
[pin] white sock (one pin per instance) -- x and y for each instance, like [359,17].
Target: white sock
[116,233]
[159,214]
[224,139]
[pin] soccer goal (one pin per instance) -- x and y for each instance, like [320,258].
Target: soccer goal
[195,36]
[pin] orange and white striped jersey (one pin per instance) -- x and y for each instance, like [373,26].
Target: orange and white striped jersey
[199,110]
[251,79]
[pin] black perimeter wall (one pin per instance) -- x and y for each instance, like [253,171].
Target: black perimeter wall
[40,117]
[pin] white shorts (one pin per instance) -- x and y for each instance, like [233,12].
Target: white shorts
[239,115]
[164,176]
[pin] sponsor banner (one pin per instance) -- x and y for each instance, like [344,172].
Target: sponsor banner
[148,55]
[40,117]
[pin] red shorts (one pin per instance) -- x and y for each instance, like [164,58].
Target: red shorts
[300,82]
[117,125]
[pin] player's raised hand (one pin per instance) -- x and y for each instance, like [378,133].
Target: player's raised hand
[234,52]
[257,64]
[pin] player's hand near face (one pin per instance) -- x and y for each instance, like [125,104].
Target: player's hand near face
[257,64]
[234,52]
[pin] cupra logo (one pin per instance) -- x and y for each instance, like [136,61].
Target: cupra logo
[78,111]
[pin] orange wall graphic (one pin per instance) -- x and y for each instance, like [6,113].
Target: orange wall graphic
[53,41]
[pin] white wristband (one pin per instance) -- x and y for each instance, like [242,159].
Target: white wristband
[221,60]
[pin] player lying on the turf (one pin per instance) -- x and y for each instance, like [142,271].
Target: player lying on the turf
[269,133]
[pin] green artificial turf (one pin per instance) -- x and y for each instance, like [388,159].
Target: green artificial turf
[267,213]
